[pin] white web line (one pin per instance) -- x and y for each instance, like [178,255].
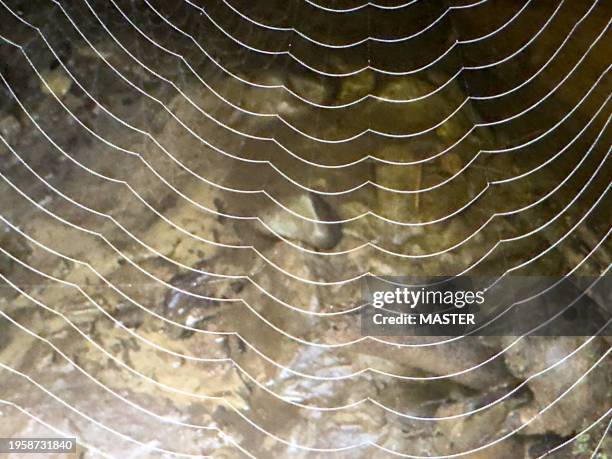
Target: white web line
[382,7]
[167,419]
[356,43]
[365,5]
[288,53]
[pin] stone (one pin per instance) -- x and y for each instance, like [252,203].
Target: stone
[585,401]
[318,235]
[57,82]
[470,432]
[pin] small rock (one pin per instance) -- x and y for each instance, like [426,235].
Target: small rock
[314,90]
[57,82]
[451,163]
[318,235]
[395,206]
[194,312]
[14,244]
[129,315]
